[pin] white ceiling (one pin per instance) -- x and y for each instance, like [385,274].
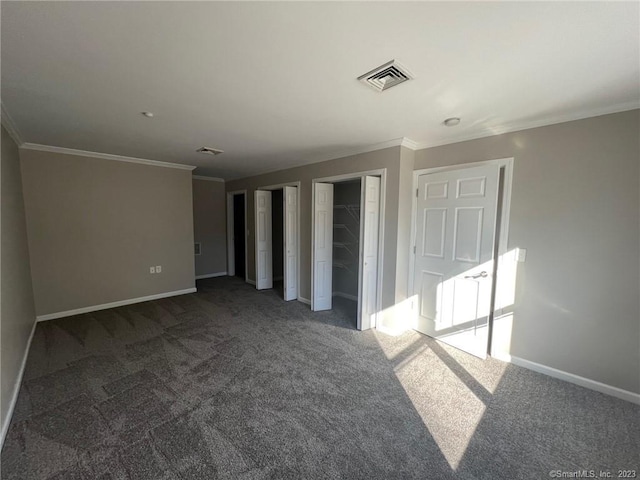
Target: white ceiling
[274,84]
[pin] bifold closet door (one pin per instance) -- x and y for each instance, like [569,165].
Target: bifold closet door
[264,257]
[290,199]
[369,234]
[322,246]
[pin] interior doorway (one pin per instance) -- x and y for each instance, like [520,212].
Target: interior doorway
[237,234]
[460,227]
[346,248]
[277,239]
[347,244]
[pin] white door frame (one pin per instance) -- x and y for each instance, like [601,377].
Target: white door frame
[231,253]
[280,186]
[506,166]
[382,173]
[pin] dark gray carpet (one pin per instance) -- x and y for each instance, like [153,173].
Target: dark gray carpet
[232,383]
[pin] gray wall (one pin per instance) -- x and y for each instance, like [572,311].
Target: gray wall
[388,158]
[209,226]
[17,313]
[96,226]
[575,208]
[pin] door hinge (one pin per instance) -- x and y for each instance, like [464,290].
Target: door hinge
[414,249]
[417,192]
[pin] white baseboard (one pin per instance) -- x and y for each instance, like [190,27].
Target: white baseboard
[345,295]
[251,282]
[304,300]
[571,378]
[211,275]
[16,388]
[104,306]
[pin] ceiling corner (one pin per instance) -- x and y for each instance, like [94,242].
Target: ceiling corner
[10,125]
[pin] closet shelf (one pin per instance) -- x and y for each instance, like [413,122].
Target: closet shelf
[353,210]
[343,265]
[342,226]
[345,246]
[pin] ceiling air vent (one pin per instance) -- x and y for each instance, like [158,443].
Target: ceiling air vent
[209,151]
[386,76]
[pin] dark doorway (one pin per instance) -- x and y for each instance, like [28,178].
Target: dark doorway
[277,239]
[239,235]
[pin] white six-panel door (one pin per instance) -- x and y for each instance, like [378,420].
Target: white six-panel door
[322,246]
[264,258]
[369,225]
[453,273]
[290,199]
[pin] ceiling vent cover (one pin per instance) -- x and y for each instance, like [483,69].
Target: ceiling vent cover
[209,151]
[386,76]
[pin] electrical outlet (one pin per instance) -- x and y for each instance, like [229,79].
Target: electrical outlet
[152,269]
[158,268]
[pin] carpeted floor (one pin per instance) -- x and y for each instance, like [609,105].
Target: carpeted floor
[232,383]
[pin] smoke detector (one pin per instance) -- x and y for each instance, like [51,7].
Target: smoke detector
[386,76]
[209,151]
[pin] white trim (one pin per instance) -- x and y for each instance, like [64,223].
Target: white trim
[350,176]
[120,303]
[16,388]
[349,152]
[103,156]
[10,125]
[526,125]
[306,301]
[280,186]
[572,378]
[211,275]
[408,143]
[396,142]
[210,179]
[251,282]
[345,295]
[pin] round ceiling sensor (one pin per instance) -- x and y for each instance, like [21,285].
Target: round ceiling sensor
[452,122]
[147,114]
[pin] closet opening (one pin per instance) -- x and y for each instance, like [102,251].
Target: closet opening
[347,245]
[237,234]
[277,231]
[346,249]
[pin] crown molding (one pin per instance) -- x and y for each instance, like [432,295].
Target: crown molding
[526,125]
[396,142]
[210,179]
[103,156]
[10,125]
[410,144]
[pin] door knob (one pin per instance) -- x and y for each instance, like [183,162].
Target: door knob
[482,274]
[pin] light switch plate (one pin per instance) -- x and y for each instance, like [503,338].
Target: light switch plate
[158,268]
[152,269]
[522,254]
